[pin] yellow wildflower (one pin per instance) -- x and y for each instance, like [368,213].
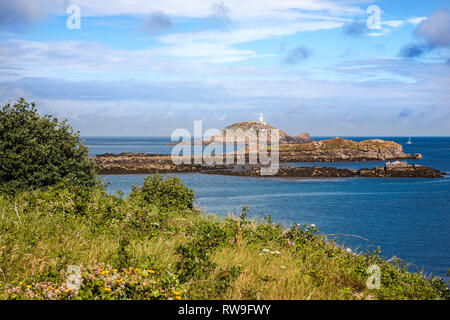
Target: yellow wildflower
[175,292]
[67,290]
[131,268]
[150,271]
[20,283]
[57,290]
[28,286]
[107,289]
[115,270]
[178,297]
[119,281]
[138,270]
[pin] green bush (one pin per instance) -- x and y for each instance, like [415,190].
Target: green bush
[169,194]
[39,151]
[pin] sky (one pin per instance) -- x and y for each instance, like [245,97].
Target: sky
[146,68]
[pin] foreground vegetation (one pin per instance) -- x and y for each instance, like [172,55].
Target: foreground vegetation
[62,236]
[155,244]
[39,151]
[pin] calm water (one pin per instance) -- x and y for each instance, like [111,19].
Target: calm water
[408,218]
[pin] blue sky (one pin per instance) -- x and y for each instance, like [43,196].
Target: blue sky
[145,68]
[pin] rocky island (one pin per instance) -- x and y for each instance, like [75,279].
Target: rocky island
[390,170]
[300,148]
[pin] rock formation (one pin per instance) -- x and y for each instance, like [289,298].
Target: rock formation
[129,163]
[247,132]
[339,149]
[396,171]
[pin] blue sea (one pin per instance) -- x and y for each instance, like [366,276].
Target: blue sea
[407,217]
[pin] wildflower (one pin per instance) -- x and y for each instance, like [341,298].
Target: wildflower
[275,252]
[138,270]
[107,289]
[28,286]
[119,281]
[67,290]
[348,250]
[265,250]
[57,290]
[291,243]
[115,270]
[20,283]
[150,271]
[131,268]
[105,272]
[178,297]
[177,293]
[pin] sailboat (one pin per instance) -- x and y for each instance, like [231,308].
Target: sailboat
[409,141]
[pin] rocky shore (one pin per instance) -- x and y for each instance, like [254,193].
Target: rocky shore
[134,163]
[139,163]
[390,170]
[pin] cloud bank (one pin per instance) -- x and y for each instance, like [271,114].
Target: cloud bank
[434,33]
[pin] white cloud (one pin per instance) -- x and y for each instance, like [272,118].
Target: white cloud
[218,46]
[416,20]
[248,9]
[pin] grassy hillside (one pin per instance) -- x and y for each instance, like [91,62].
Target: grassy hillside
[140,248]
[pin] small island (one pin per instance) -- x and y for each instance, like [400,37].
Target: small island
[300,148]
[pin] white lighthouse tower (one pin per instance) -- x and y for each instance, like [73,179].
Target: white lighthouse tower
[261,118]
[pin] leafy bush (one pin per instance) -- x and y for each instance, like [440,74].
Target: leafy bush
[195,256]
[39,151]
[169,194]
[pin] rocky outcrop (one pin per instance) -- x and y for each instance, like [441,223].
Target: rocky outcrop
[388,171]
[339,149]
[130,163]
[138,163]
[302,138]
[247,133]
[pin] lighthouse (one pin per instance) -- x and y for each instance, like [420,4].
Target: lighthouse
[261,118]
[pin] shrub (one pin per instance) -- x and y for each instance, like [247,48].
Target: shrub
[169,194]
[39,151]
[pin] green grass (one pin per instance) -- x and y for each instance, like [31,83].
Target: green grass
[131,249]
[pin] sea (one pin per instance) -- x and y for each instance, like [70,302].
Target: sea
[408,218]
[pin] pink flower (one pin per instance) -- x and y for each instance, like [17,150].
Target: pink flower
[291,243]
